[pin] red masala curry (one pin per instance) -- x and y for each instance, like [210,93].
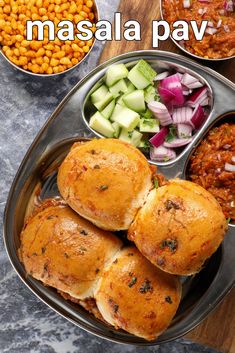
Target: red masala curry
[219,39]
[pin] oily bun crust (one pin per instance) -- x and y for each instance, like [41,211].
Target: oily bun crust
[136,296]
[180,226]
[64,251]
[106,181]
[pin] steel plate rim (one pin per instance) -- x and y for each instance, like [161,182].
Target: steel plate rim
[49,120]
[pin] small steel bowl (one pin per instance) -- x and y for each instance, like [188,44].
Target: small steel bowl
[188,52]
[97,16]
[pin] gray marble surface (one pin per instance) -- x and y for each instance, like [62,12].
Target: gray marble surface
[26,324]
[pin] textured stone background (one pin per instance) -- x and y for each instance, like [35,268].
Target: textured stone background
[26,324]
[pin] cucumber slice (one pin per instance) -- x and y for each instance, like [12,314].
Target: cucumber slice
[127,118]
[130,87]
[117,129]
[133,137]
[99,94]
[116,111]
[135,101]
[120,86]
[141,75]
[149,125]
[150,94]
[101,125]
[108,110]
[115,73]
[120,100]
[100,105]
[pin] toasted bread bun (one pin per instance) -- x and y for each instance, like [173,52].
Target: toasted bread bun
[106,181]
[180,226]
[136,296]
[64,251]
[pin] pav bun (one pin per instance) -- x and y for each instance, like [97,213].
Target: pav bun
[64,251]
[180,226]
[136,296]
[105,181]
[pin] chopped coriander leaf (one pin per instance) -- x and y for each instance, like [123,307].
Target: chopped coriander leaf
[103,187]
[168,299]
[172,133]
[83,232]
[171,244]
[228,220]
[155,182]
[132,282]
[146,287]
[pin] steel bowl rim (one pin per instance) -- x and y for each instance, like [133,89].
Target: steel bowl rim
[97,12]
[188,52]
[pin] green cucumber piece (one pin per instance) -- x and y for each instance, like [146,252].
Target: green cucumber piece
[127,118]
[116,111]
[115,73]
[150,94]
[118,87]
[142,75]
[117,129]
[99,94]
[149,125]
[135,101]
[100,105]
[101,125]
[130,87]
[108,110]
[134,137]
[120,100]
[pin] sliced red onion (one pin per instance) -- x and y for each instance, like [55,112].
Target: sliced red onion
[233,159]
[198,117]
[211,31]
[186,91]
[190,81]
[219,23]
[161,112]
[158,139]
[172,83]
[166,95]
[227,146]
[226,28]
[161,153]
[182,115]
[229,167]
[161,76]
[177,143]
[186,4]
[202,11]
[184,130]
[228,5]
[222,12]
[200,96]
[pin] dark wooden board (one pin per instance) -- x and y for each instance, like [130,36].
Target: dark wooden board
[218,330]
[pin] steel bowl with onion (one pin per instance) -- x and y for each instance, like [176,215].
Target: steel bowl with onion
[96,18]
[181,47]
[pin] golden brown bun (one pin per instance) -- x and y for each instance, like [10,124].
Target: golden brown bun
[136,296]
[106,181]
[64,251]
[180,226]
